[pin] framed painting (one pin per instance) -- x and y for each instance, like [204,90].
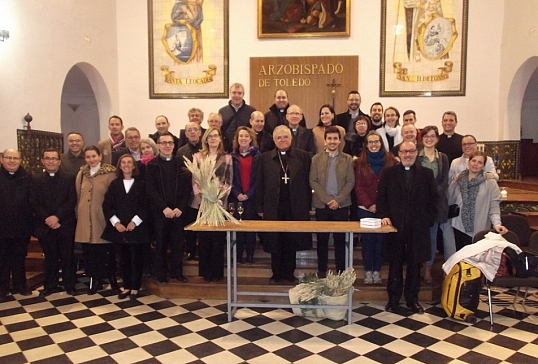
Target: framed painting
[303,18]
[423,47]
[188,49]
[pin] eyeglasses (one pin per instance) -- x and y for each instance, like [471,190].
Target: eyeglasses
[9,158]
[361,123]
[166,143]
[282,137]
[213,136]
[51,159]
[374,141]
[467,144]
[390,115]
[407,151]
[294,113]
[190,130]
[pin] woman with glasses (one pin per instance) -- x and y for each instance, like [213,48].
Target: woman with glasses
[211,243]
[354,142]
[391,132]
[126,208]
[368,169]
[431,158]
[92,182]
[326,119]
[245,156]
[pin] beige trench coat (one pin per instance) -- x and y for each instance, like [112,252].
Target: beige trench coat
[90,195]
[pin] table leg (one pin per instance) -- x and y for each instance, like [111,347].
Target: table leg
[228,275]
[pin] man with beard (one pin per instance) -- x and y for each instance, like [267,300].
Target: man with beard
[277,112]
[347,119]
[283,193]
[376,115]
[115,140]
[407,199]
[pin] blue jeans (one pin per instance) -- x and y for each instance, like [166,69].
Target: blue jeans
[433,239]
[372,246]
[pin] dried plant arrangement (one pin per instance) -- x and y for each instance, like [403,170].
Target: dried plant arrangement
[211,211]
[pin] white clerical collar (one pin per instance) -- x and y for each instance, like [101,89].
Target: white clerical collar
[283,152]
[51,174]
[407,168]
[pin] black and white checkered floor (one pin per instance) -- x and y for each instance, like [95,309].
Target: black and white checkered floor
[102,329]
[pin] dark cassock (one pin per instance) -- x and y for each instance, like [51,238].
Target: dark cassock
[283,193]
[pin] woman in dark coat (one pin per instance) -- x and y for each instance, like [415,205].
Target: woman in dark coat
[245,161]
[431,158]
[126,207]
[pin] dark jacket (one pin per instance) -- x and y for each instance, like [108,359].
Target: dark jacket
[274,117]
[343,119]
[59,201]
[125,206]
[156,189]
[411,212]
[304,140]
[268,189]
[182,140]
[265,141]
[71,164]
[16,217]
[189,150]
[232,119]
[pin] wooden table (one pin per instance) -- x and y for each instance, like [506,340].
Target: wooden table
[232,292]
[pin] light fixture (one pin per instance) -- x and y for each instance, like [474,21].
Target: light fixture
[4,34]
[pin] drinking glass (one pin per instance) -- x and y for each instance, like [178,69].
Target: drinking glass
[231,208]
[240,210]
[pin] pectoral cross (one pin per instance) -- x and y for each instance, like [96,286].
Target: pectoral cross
[285,179]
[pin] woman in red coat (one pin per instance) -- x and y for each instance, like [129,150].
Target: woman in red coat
[368,168]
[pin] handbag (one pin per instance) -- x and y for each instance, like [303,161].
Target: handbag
[453,211]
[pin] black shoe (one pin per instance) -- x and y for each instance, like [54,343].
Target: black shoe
[273,280]
[250,259]
[162,280]
[322,274]
[49,291]
[25,292]
[3,297]
[123,295]
[207,279]
[114,283]
[182,279]
[71,292]
[191,257]
[416,308]
[293,279]
[134,296]
[95,286]
[391,306]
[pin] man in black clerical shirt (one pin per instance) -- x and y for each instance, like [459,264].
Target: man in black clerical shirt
[450,141]
[282,181]
[53,197]
[169,187]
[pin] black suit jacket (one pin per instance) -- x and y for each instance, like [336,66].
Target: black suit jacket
[344,119]
[304,140]
[411,211]
[125,206]
[60,201]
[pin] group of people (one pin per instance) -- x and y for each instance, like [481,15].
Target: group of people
[117,197]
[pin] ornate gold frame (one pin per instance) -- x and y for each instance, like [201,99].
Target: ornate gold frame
[429,60]
[268,28]
[196,70]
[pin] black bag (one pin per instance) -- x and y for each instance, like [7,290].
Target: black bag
[453,211]
[524,264]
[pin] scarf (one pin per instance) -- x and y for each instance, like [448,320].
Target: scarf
[392,131]
[116,143]
[376,160]
[469,191]
[145,159]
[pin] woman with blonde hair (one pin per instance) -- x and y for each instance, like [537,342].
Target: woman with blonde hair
[211,243]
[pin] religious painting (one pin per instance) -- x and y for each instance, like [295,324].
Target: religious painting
[303,18]
[423,47]
[188,49]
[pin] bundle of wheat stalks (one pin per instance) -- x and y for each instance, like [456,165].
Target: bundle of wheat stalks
[211,211]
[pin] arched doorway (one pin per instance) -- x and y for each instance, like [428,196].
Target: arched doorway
[523,107]
[85,102]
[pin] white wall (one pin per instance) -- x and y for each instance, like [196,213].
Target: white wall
[482,73]
[518,62]
[46,40]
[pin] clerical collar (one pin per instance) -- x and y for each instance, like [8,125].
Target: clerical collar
[11,173]
[283,152]
[168,159]
[407,168]
[51,174]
